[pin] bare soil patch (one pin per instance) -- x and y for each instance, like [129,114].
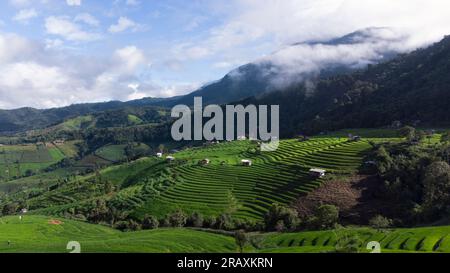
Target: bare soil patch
[358,200]
[55,222]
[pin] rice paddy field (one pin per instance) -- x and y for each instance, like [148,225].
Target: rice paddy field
[40,234]
[17,160]
[157,187]
[224,185]
[427,239]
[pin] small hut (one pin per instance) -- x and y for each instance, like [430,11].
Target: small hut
[204,162]
[317,173]
[170,158]
[246,162]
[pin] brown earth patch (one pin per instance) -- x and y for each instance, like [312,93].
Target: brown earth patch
[55,222]
[357,198]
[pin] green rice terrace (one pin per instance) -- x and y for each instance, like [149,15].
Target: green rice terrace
[212,179]
[157,187]
[44,234]
[247,191]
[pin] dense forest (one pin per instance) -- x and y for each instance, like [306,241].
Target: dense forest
[411,88]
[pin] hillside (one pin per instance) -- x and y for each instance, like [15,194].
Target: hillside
[253,79]
[273,73]
[24,119]
[412,88]
[156,187]
[36,234]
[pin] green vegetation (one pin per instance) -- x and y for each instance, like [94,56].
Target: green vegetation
[112,152]
[224,186]
[26,160]
[155,195]
[417,172]
[430,239]
[44,234]
[222,189]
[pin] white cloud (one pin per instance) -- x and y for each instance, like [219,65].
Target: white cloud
[87,19]
[36,75]
[249,23]
[128,59]
[53,43]
[123,24]
[16,48]
[249,29]
[300,20]
[25,15]
[73,2]
[301,61]
[66,28]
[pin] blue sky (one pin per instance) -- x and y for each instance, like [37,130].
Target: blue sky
[59,52]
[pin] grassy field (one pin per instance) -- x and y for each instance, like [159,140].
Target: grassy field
[69,148]
[42,234]
[116,153]
[112,152]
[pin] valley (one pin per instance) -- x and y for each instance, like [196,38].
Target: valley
[204,182]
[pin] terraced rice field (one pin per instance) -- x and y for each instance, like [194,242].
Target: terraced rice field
[429,239]
[40,234]
[247,192]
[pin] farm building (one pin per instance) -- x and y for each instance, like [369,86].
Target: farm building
[204,162]
[246,162]
[318,173]
[352,137]
[170,158]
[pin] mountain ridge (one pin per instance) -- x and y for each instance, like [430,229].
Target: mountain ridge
[250,80]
